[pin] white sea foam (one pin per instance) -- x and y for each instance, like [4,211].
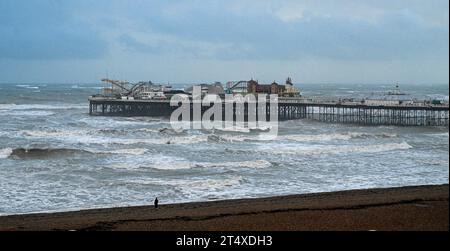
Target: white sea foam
[303,137]
[318,137]
[192,185]
[444,134]
[92,137]
[255,164]
[258,164]
[5,153]
[186,140]
[52,133]
[319,150]
[207,184]
[172,163]
[234,129]
[124,166]
[87,87]
[133,151]
[28,86]
[113,122]
[26,113]
[334,136]
[14,107]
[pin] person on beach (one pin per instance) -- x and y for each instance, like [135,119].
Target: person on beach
[156,202]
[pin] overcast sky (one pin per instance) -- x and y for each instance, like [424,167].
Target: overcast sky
[326,41]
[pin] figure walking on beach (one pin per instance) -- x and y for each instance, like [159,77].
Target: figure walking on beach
[156,202]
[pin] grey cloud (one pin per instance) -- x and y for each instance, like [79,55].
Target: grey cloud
[46,30]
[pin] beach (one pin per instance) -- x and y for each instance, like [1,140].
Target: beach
[421,208]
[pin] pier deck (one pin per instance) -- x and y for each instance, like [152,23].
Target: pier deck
[290,109]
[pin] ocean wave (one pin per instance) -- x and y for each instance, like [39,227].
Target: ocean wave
[246,129]
[206,184]
[444,134]
[257,164]
[28,86]
[226,138]
[24,153]
[134,151]
[217,139]
[91,137]
[299,137]
[15,107]
[171,163]
[234,129]
[173,166]
[335,150]
[335,136]
[52,133]
[318,137]
[87,87]
[157,141]
[26,113]
[166,137]
[5,153]
[189,186]
[120,122]
[165,131]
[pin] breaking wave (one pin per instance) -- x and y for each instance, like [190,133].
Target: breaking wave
[234,129]
[258,164]
[26,113]
[299,137]
[87,87]
[337,136]
[206,184]
[14,107]
[333,150]
[159,141]
[189,186]
[45,152]
[134,151]
[5,153]
[92,137]
[444,134]
[38,153]
[178,164]
[28,86]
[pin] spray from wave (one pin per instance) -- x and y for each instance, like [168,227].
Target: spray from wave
[5,153]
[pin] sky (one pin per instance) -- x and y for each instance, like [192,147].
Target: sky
[312,41]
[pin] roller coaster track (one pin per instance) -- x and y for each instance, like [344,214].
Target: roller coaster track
[117,83]
[121,85]
[236,84]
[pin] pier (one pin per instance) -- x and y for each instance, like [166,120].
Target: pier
[294,108]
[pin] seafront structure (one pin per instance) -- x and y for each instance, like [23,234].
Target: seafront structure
[372,111]
[253,87]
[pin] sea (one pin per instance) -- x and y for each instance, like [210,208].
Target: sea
[55,157]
